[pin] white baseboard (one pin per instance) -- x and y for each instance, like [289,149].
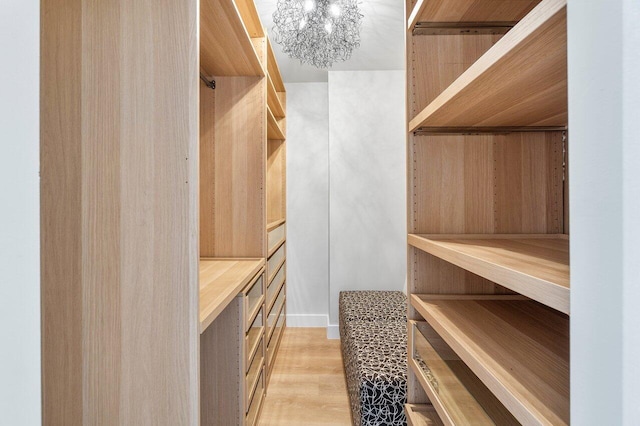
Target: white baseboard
[307,320]
[333,332]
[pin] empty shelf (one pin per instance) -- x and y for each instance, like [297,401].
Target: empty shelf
[536,266]
[220,281]
[521,81]
[518,348]
[273,128]
[273,100]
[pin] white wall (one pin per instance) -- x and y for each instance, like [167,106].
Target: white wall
[19,214]
[307,204]
[604,183]
[367,190]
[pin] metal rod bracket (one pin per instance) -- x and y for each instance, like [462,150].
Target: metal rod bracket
[211,84]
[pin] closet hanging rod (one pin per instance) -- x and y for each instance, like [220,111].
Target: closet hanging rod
[426,131]
[210,83]
[462,28]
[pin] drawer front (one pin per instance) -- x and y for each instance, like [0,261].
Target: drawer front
[275,236]
[255,368]
[450,384]
[274,286]
[275,310]
[253,336]
[253,299]
[253,408]
[275,260]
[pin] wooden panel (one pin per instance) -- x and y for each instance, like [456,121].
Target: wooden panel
[223,389]
[491,93]
[437,61]
[225,46]
[238,159]
[487,184]
[119,219]
[274,132]
[422,415]
[533,265]
[276,184]
[519,349]
[250,18]
[469,11]
[273,100]
[273,69]
[207,205]
[220,281]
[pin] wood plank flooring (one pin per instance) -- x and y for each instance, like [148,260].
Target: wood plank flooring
[308,385]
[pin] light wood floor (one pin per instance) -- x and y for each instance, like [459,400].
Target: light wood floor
[308,385]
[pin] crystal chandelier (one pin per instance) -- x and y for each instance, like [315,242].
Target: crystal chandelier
[318,32]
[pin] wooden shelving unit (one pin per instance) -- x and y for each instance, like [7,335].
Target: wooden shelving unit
[226,48]
[220,281]
[488,244]
[469,11]
[273,101]
[491,93]
[422,415]
[536,266]
[274,132]
[519,349]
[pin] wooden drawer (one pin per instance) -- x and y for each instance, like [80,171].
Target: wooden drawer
[275,238]
[253,336]
[255,368]
[253,298]
[456,393]
[274,262]
[277,330]
[274,286]
[275,310]
[256,401]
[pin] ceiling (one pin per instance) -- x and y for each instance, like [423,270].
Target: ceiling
[381,47]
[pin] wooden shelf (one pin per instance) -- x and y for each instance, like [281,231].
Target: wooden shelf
[536,266]
[422,415]
[226,48]
[273,100]
[273,225]
[470,11]
[518,348]
[273,69]
[250,18]
[273,128]
[220,281]
[520,81]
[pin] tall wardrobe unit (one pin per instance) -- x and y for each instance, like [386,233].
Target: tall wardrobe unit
[488,228]
[163,212]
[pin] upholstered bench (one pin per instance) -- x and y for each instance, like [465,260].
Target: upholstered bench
[373,332]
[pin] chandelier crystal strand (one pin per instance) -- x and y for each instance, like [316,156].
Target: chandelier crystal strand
[318,32]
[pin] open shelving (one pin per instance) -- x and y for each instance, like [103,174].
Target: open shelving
[536,266]
[226,48]
[469,11]
[518,348]
[520,81]
[421,415]
[220,281]
[274,132]
[273,100]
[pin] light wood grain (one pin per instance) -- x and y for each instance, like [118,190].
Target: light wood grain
[221,280]
[469,11]
[519,349]
[233,170]
[422,415]
[521,81]
[276,181]
[307,386]
[486,183]
[119,212]
[250,18]
[225,46]
[273,69]
[535,267]
[274,132]
[274,224]
[273,100]
[274,343]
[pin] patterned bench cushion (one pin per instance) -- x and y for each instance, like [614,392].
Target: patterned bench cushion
[372,305]
[374,351]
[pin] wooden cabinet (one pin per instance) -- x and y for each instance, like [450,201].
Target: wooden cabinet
[488,258]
